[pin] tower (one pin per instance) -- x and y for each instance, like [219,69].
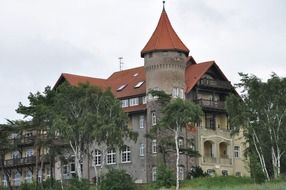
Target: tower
[164,58]
[164,63]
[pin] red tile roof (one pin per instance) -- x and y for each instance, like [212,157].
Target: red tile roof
[164,38]
[194,72]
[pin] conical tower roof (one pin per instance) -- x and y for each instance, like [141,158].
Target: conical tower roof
[164,38]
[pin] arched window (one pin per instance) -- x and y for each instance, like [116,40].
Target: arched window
[181,173]
[97,157]
[111,156]
[125,154]
[17,179]
[154,173]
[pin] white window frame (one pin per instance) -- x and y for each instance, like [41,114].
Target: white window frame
[154,146]
[154,173]
[15,154]
[97,157]
[134,101]
[111,156]
[126,154]
[181,173]
[154,118]
[28,177]
[181,142]
[124,103]
[17,179]
[236,151]
[144,100]
[4,181]
[121,87]
[142,149]
[178,93]
[29,152]
[141,121]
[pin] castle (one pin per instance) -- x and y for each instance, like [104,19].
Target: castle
[168,67]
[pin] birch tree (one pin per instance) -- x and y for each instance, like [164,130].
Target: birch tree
[261,113]
[176,115]
[87,114]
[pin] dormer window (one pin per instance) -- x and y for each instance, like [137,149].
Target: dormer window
[121,87]
[135,75]
[139,84]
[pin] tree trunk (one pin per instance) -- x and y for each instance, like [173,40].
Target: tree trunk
[260,155]
[177,158]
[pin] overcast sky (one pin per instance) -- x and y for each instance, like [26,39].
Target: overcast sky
[40,39]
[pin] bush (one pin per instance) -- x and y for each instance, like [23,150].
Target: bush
[196,172]
[117,180]
[165,177]
[75,184]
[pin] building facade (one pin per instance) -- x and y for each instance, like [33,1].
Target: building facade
[168,67]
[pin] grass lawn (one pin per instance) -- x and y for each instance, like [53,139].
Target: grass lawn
[227,183]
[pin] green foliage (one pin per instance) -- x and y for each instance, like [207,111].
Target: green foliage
[261,112]
[165,177]
[75,184]
[117,180]
[27,186]
[196,172]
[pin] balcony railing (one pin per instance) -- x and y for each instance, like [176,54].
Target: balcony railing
[226,161]
[211,160]
[219,105]
[20,161]
[215,84]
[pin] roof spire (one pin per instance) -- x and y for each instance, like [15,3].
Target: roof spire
[164,5]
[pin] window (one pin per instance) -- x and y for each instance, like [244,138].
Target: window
[124,103]
[181,173]
[4,181]
[66,171]
[154,118]
[142,149]
[141,121]
[154,173]
[181,142]
[224,173]
[97,158]
[144,100]
[28,134]
[134,101]
[16,154]
[121,87]
[210,121]
[139,84]
[236,151]
[111,156]
[154,146]
[178,93]
[211,172]
[135,74]
[237,174]
[17,179]
[29,152]
[126,154]
[28,178]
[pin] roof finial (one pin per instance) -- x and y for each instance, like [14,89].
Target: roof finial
[164,5]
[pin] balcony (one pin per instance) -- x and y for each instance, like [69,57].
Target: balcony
[20,161]
[210,104]
[210,160]
[219,84]
[225,161]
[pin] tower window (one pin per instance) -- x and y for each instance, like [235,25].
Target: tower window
[141,121]
[154,146]
[154,118]
[141,149]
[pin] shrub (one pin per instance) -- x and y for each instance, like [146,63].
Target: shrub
[117,180]
[196,172]
[165,177]
[75,184]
